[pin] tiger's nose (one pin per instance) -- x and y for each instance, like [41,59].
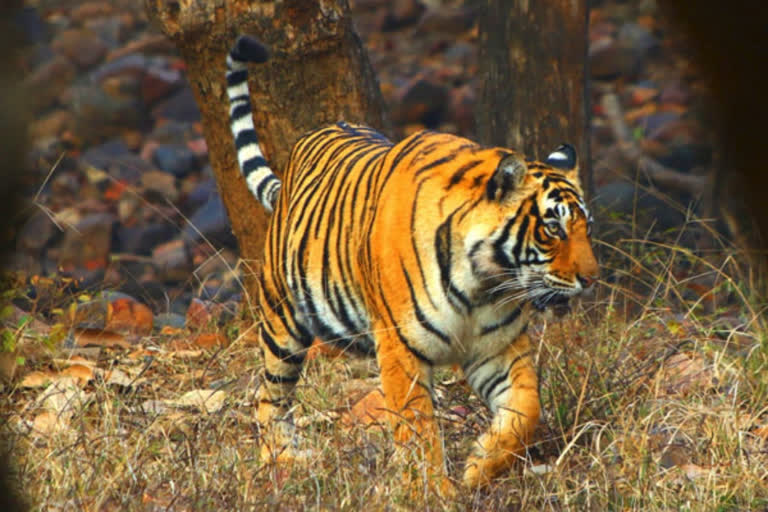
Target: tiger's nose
[587,281]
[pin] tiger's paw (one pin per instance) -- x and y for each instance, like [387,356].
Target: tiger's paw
[476,473]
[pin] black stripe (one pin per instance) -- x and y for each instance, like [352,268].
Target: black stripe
[456,178]
[508,320]
[420,316]
[421,357]
[253,164]
[279,352]
[239,97]
[489,385]
[242,110]
[263,184]
[246,137]
[280,379]
[236,77]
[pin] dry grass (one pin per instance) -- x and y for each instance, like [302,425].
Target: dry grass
[655,397]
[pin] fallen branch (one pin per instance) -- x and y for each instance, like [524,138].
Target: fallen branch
[630,150]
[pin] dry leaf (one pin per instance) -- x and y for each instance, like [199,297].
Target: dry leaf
[189,354]
[82,373]
[206,400]
[694,471]
[119,378]
[684,372]
[62,397]
[37,379]
[129,315]
[369,410]
[99,338]
[48,422]
[210,340]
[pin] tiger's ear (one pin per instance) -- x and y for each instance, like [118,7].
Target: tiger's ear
[508,176]
[564,158]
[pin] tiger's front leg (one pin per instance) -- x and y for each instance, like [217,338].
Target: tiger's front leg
[508,383]
[407,384]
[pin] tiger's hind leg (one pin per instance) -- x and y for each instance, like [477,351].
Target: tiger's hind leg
[283,359]
[508,383]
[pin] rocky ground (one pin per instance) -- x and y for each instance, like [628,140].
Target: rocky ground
[123,198]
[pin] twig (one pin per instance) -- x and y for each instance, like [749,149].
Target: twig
[630,150]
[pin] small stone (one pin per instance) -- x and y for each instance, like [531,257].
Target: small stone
[128,315]
[146,45]
[90,10]
[401,13]
[199,147]
[157,83]
[210,222]
[142,239]
[172,320]
[111,30]
[101,115]
[676,92]
[159,186]
[30,25]
[88,245]
[49,81]
[179,107]
[176,160]
[172,261]
[52,125]
[607,59]
[36,232]
[423,102]
[632,35]
[83,47]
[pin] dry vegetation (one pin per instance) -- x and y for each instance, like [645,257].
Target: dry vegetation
[655,397]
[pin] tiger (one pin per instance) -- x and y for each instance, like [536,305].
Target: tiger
[428,252]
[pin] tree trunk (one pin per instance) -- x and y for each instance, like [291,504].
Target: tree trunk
[319,73]
[533,58]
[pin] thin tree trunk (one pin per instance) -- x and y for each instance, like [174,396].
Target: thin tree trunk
[319,73]
[533,58]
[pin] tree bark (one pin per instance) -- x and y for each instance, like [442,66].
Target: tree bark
[533,57]
[318,73]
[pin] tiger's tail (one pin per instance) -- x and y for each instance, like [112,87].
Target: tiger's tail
[262,182]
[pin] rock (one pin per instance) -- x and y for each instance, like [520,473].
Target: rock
[423,102]
[90,10]
[131,64]
[608,59]
[675,92]
[685,157]
[49,81]
[89,244]
[36,233]
[211,222]
[172,133]
[83,47]
[129,315]
[176,160]
[624,199]
[453,21]
[30,25]
[142,239]
[654,122]
[179,107]
[111,30]
[52,125]
[632,35]
[146,44]
[401,13]
[157,83]
[102,155]
[200,194]
[462,108]
[199,147]
[169,320]
[159,187]
[172,261]
[101,115]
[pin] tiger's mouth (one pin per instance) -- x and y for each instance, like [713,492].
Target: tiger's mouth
[559,303]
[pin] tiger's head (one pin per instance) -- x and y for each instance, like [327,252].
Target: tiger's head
[532,241]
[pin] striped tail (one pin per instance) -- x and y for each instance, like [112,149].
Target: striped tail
[262,182]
